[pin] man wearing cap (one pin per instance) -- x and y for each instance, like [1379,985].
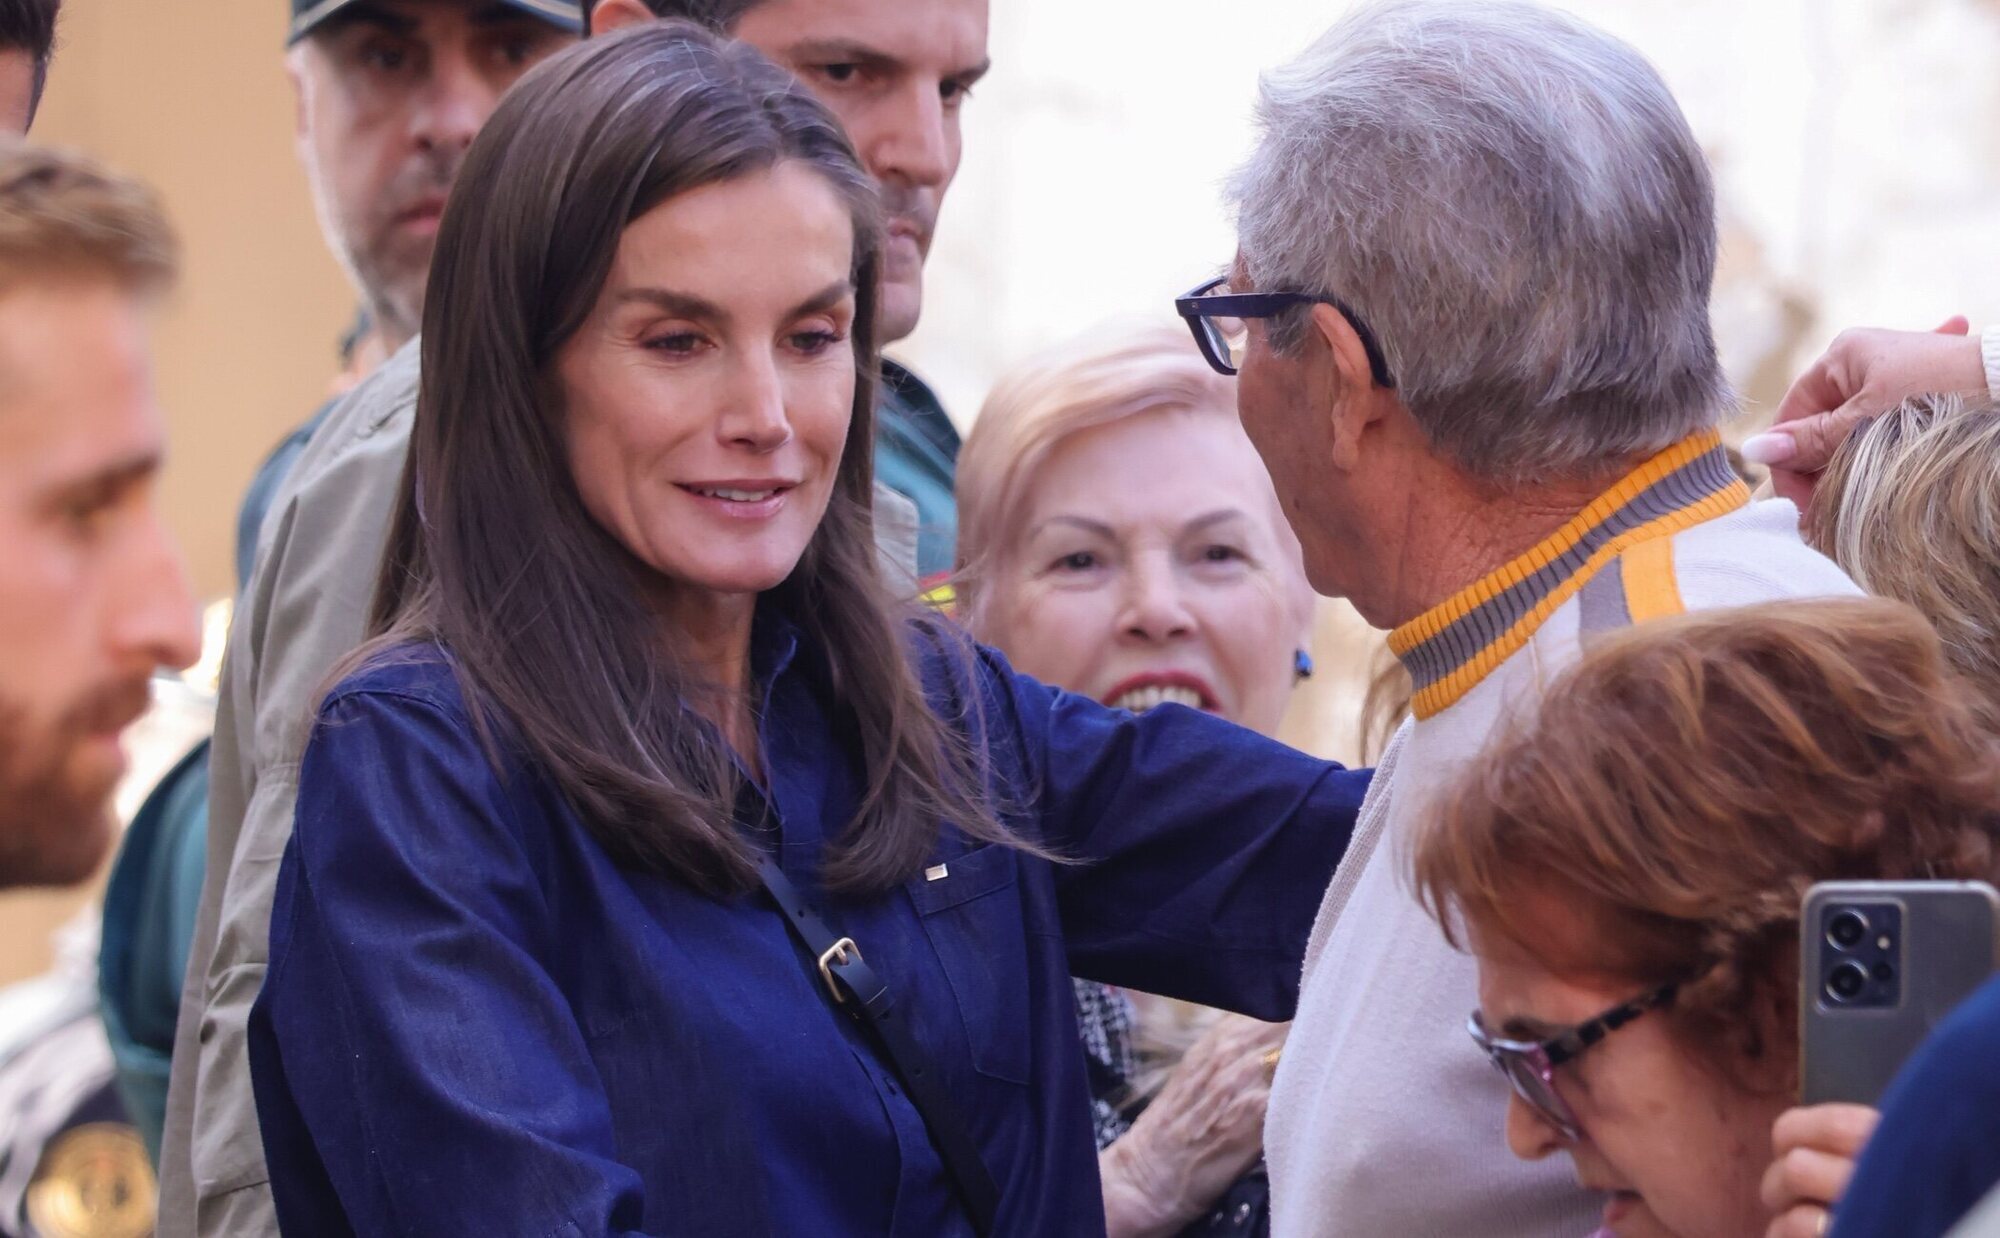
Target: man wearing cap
[390,94]
[896,73]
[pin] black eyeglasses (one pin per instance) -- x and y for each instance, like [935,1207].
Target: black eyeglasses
[1530,1065]
[1220,320]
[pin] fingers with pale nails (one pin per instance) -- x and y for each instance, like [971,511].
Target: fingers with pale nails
[1815,1149]
[1200,1134]
[1864,372]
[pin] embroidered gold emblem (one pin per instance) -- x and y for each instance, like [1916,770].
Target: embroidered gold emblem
[94,1182]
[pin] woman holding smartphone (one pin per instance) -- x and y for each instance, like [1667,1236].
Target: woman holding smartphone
[654,872]
[1628,868]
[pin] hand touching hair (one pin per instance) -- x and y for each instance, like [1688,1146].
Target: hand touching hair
[1910,508]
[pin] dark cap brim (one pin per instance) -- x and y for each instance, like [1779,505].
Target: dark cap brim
[566,15]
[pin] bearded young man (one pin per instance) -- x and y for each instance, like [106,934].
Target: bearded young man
[93,594]
[897,74]
[93,599]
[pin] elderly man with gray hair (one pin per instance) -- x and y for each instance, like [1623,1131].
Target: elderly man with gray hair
[1470,315]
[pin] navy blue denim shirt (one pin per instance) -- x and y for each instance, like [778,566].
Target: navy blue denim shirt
[476,1023]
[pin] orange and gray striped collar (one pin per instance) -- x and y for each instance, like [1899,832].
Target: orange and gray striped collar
[1454,645]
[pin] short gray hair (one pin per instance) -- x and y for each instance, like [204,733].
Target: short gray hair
[1514,203]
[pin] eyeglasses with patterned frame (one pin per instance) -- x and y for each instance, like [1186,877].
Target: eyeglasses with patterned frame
[1220,322]
[1530,1065]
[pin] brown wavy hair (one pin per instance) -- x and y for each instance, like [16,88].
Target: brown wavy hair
[1683,785]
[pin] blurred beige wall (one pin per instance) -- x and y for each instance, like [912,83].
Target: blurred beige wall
[193,98]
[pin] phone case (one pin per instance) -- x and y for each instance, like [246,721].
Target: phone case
[1944,943]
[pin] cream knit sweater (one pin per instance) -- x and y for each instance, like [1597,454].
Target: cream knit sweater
[1385,1121]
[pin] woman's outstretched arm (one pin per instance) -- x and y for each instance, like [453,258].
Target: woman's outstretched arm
[1203,848]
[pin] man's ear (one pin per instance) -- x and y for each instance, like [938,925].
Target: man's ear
[610,15]
[1342,383]
[296,75]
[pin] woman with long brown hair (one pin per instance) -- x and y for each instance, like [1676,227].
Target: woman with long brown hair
[655,872]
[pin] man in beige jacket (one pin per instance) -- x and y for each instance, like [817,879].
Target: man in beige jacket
[317,553]
[390,95]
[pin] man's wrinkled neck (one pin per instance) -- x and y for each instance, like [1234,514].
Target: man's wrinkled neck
[1461,528]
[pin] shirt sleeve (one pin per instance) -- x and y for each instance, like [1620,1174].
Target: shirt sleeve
[411,1054]
[1199,850]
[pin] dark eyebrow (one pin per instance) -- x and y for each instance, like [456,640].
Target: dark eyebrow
[970,75]
[687,305]
[825,299]
[105,482]
[845,51]
[681,304]
[838,51]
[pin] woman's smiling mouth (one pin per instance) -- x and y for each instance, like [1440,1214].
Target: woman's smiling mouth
[740,500]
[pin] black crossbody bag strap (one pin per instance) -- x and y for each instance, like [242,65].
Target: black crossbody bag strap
[856,989]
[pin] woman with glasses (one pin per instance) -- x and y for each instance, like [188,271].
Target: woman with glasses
[1627,866]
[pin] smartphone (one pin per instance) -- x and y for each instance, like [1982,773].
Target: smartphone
[1881,963]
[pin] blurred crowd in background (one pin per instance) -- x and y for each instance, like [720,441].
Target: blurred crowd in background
[1179,405]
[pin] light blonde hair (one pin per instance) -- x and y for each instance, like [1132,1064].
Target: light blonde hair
[1910,507]
[1096,380]
[63,215]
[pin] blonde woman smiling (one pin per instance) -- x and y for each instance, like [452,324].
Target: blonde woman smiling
[1120,539]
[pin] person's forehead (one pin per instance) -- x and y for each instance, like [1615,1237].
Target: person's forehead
[701,235]
[946,34]
[69,344]
[1516,980]
[1162,468]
